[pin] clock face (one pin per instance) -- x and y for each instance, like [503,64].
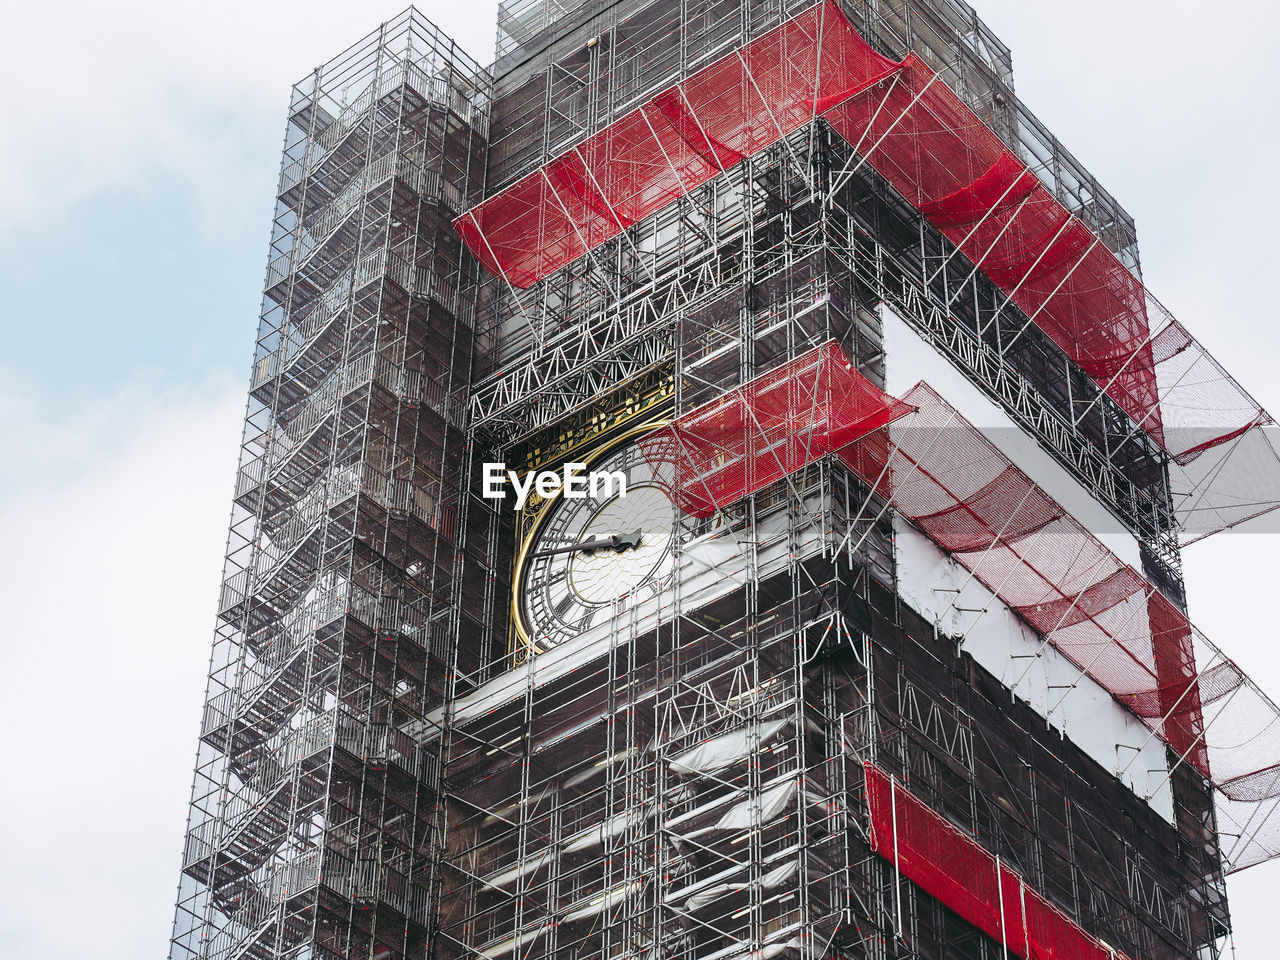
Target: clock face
[561,595]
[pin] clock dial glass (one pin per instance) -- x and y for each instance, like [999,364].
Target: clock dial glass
[602,576]
[564,594]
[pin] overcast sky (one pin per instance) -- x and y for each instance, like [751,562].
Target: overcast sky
[139,149]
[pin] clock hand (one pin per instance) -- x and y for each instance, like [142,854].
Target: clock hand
[619,542]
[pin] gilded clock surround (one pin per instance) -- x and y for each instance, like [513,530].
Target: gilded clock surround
[600,431]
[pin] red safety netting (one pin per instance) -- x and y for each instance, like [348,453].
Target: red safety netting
[767,429]
[701,126]
[917,133]
[952,867]
[942,474]
[971,500]
[942,158]
[938,154]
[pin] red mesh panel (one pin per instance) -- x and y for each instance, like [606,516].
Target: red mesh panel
[766,429]
[679,140]
[1178,700]
[941,473]
[952,867]
[939,155]
[966,495]
[917,133]
[943,159]
[947,478]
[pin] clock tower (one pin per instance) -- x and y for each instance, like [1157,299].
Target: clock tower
[875,645]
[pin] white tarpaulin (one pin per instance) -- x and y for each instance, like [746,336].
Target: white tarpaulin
[772,802]
[585,839]
[582,840]
[602,902]
[773,878]
[764,953]
[741,815]
[511,943]
[518,871]
[723,751]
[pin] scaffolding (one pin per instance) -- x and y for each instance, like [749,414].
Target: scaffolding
[313,826]
[583,817]
[689,780]
[939,472]
[939,155]
[674,226]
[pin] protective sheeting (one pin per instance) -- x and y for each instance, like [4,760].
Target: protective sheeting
[768,428]
[593,836]
[530,865]
[724,751]
[742,815]
[917,133]
[770,881]
[674,143]
[503,947]
[774,947]
[952,867]
[1224,466]
[770,803]
[602,902]
[943,159]
[943,475]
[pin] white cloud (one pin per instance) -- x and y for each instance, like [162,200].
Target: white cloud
[109,573]
[113,96]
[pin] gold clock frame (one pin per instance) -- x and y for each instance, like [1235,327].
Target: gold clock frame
[591,450]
